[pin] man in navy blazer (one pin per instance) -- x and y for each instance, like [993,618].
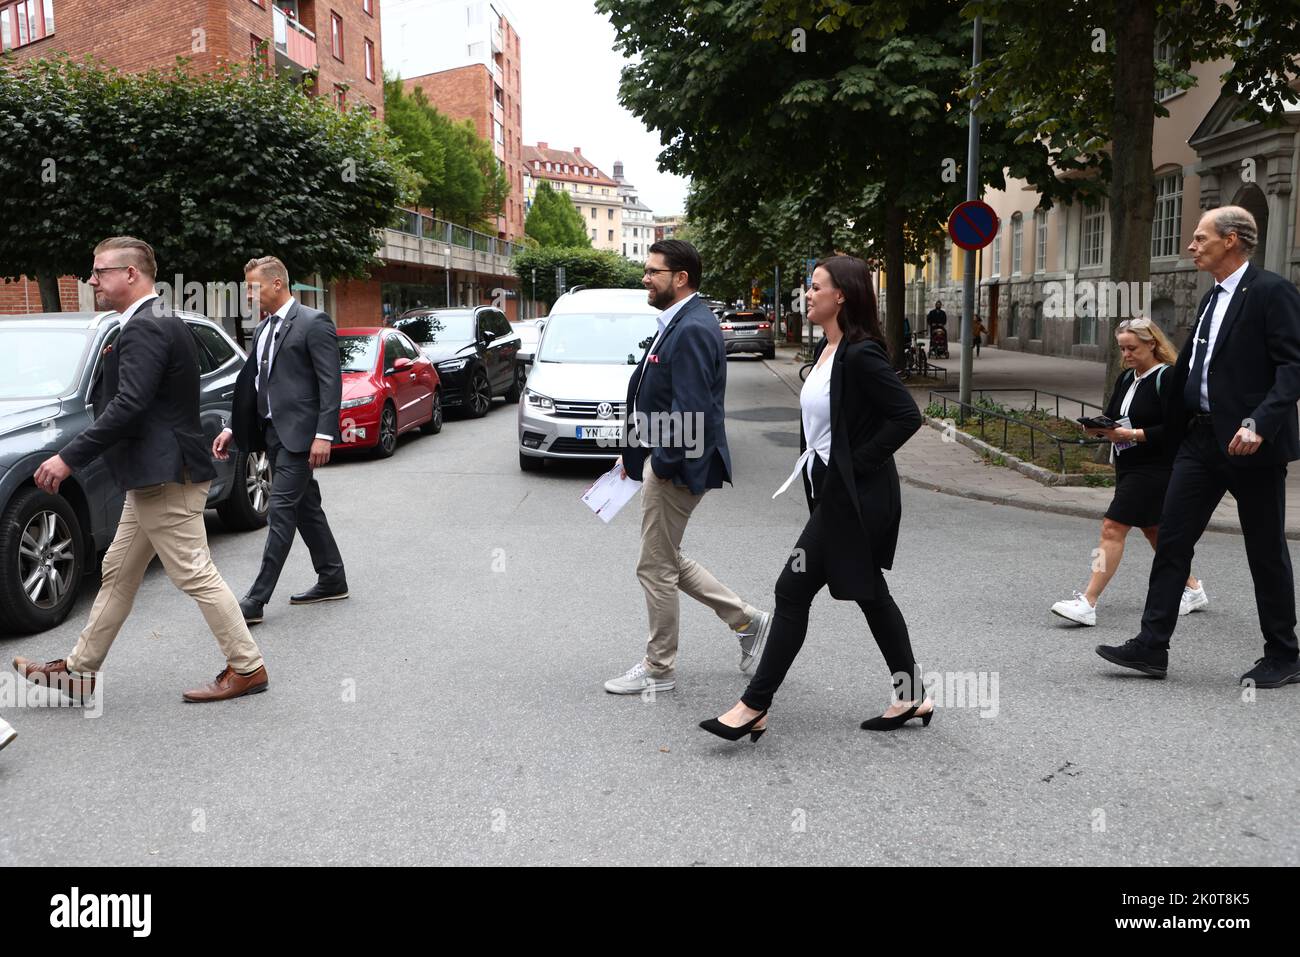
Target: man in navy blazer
[676,444]
[1239,378]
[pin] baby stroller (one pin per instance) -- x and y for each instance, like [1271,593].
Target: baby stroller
[938,342]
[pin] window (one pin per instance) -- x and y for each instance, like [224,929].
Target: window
[1094,234]
[593,212]
[500,132]
[943,261]
[24,22]
[593,234]
[1165,55]
[258,51]
[1086,327]
[1037,331]
[1165,226]
[336,35]
[370,61]
[997,251]
[214,342]
[1040,241]
[611,235]
[368,6]
[611,213]
[340,96]
[1017,250]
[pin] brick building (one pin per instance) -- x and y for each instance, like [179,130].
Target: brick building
[594,193]
[340,39]
[465,56]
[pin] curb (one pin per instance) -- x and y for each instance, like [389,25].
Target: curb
[1042,476]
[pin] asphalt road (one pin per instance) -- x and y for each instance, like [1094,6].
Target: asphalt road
[451,711]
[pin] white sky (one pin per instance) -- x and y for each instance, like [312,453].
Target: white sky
[569,76]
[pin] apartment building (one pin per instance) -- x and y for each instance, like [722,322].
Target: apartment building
[638,218]
[594,193]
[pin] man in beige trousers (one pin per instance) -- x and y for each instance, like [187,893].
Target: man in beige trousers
[677,446]
[151,438]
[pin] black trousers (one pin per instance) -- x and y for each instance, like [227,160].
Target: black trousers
[1201,475]
[295,507]
[803,577]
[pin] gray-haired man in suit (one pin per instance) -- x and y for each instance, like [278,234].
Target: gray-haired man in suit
[287,400]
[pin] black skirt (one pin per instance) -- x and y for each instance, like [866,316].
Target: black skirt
[1139,496]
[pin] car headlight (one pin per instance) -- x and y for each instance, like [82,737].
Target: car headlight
[539,401]
[353,403]
[452,365]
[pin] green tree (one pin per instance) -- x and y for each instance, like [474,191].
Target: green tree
[210,170]
[832,140]
[554,220]
[1083,77]
[583,266]
[423,149]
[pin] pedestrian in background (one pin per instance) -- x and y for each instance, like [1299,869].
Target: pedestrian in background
[1239,379]
[1146,405]
[855,416]
[977,335]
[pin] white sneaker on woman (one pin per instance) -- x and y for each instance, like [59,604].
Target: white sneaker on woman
[1194,599]
[1076,610]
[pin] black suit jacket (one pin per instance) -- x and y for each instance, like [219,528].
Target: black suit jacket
[686,375]
[1157,410]
[148,428]
[872,415]
[306,383]
[1255,368]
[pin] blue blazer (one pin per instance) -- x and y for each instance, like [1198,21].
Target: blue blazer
[686,375]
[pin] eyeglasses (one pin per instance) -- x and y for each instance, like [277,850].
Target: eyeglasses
[651,272]
[1140,323]
[95,273]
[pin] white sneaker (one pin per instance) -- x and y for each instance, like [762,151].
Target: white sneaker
[752,640]
[637,679]
[1194,599]
[7,733]
[1077,610]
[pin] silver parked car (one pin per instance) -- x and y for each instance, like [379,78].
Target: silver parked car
[573,406]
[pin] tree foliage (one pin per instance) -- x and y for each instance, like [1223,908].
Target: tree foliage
[554,220]
[211,170]
[583,266]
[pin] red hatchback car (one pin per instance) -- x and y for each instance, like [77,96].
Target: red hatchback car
[389,387]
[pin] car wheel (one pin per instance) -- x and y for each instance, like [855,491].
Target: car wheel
[249,501]
[434,425]
[517,387]
[41,561]
[387,443]
[480,395]
[531,463]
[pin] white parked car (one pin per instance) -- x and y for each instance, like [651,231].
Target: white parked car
[573,406]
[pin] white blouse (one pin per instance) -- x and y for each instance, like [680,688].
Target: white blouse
[815,404]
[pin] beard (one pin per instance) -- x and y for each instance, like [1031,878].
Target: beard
[661,300]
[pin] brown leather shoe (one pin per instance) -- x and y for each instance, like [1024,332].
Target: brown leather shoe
[56,676]
[230,684]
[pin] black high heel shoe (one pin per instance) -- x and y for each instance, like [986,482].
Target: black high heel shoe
[714,726]
[882,723]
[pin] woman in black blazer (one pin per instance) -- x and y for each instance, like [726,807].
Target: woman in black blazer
[1147,402]
[856,414]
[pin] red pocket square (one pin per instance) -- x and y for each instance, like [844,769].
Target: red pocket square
[654,359]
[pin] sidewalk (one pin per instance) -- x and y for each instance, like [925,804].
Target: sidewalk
[928,462]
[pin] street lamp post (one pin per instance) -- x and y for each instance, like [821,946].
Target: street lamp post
[448,273]
[533,307]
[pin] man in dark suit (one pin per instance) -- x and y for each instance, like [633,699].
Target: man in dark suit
[150,436]
[676,444]
[1239,377]
[287,400]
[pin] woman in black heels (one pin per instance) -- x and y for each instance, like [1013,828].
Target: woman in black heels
[856,414]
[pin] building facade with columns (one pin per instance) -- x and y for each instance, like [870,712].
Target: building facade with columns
[1040,260]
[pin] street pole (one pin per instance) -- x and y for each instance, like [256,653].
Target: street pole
[532,309]
[776,301]
[448,274]
[972,193]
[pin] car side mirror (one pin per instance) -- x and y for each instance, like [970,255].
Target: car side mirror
[401,365]
[488,336]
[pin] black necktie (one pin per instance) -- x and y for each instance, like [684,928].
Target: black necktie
[264,370]
[1200,346]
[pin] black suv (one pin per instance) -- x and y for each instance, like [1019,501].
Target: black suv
[49,364]
[476,353]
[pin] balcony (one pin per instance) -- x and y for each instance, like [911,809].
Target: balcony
[295,45]
[419,240]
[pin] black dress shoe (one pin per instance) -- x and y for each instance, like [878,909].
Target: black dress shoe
[320,592]
[251,610]
[1138,656]
[1272,673]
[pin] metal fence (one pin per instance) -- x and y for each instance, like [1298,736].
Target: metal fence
[413,223]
